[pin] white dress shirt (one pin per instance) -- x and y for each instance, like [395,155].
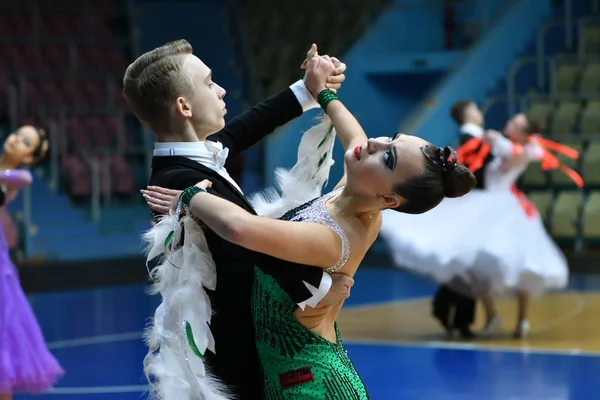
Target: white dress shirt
[213,155]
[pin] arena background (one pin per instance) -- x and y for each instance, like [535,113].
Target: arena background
[77,228]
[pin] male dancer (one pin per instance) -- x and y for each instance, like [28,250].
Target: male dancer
[172,92]
[457,294]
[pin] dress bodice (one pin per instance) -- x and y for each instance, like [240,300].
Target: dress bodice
[498,179]
[316,211]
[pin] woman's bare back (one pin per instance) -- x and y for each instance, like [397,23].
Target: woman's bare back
[361,234]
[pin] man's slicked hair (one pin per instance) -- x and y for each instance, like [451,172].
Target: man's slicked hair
[458,111]
[154,80]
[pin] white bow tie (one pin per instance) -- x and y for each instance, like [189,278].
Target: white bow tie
[219,153]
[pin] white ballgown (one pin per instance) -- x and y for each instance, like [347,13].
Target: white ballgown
[486,237]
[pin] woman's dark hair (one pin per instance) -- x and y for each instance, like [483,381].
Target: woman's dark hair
[441,177]
[533,127]
[42,149]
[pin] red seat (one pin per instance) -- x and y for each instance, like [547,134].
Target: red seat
[95,91]
[123,178]
[77,137]
[77,176]
[59,25]
[19,23]
[13,57]
[73,95]
[45,93]
[56,57]
[98,131]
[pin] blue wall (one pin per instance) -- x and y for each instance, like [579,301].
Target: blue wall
[203,24]
[485,65]
[409,25]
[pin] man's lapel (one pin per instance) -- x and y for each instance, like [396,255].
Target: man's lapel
[162,162]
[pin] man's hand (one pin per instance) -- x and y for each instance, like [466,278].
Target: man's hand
[339,291]
[332,80]
[318,69]
[491,135]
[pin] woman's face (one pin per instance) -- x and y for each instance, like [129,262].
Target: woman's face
[20,145]
[377,166]
[516,128]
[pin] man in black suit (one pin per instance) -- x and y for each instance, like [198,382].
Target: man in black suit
[171,91]
[457,295]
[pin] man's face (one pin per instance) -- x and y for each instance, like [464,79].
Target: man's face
[206,105]
[474,115]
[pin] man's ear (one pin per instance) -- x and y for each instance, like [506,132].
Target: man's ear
[183,108]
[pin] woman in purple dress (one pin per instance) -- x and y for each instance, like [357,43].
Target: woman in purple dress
[26,365]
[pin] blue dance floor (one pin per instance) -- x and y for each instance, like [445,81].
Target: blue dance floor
[95,334]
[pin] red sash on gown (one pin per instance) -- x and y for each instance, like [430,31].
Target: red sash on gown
[473,153]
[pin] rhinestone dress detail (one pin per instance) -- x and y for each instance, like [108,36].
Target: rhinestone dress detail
[297,363]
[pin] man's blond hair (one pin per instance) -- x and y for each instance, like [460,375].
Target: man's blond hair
[154,80]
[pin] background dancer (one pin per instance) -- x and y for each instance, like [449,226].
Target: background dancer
[26,365]
[454,303]
[496,257]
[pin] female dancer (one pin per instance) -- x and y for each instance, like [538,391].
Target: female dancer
[25,362]
[301,351]
[500,244]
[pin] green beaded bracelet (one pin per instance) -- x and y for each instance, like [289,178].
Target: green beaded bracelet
[325,97]
[187,194]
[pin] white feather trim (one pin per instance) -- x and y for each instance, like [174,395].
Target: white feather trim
[173,370]
[306,179]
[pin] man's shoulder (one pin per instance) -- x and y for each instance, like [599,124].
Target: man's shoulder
[176,176]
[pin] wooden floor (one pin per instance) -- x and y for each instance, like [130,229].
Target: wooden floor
[559,321]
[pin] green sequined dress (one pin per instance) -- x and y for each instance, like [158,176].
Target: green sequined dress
[297,363]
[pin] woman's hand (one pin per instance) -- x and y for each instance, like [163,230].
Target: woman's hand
[334,81]
[159,199]
[163,200]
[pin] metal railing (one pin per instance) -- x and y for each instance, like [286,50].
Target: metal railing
[540,49]
[96,187]
[511,85]
[53,134]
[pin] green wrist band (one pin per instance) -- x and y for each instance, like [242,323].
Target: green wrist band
[188,194]
[325,97]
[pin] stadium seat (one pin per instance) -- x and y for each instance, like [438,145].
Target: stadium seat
[565,77]
[534,176]
[591,165]
[542,201]
[590,78]
[565,215]
[123,179]
[590,117]
[591,37]
[540,111]
[565,117]
[591,217]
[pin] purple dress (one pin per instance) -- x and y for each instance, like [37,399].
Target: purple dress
[26,364]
